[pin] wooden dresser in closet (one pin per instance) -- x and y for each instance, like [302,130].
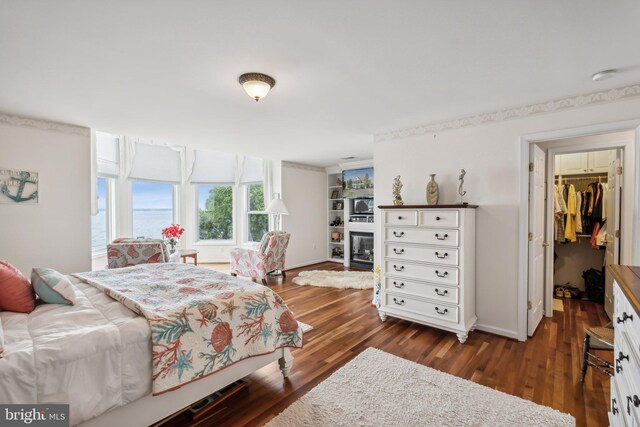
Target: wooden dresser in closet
[429,266]
[625,383]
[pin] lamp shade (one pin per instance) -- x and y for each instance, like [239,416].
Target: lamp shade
[277,207]
[257,85]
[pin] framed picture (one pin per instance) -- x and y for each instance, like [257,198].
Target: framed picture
[18,186]
[358,182]
[339,206]
[335,194]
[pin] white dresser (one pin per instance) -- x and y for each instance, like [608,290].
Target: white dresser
[429,266]
[625,383]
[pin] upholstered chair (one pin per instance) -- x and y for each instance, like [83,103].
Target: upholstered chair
[126,252]
[265,258]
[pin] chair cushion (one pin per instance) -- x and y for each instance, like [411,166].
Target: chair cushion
[52,287]
[16,293]
[265,242]
[1,339]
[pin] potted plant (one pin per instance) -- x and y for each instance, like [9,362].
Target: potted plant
[172,235]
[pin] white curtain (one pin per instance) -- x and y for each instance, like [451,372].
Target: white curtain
[155,162]
[94,175]
[126,153]
[267,182]
[252,170]
[214,167]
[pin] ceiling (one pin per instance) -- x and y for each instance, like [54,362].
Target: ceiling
[168,70]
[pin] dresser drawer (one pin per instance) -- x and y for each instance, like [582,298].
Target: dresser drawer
[429,273]
[626,319]
[445,256]
[434,292]
[438,218]
[442,312]
[401,217]
[425,236]
[616,416]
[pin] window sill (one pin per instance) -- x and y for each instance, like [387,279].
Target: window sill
[215,243]
[100,254]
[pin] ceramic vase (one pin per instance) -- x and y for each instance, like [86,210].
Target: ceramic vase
[433,192]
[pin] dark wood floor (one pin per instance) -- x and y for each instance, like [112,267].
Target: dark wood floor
[545,369]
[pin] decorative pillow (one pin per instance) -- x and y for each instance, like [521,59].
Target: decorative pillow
[16,293]
[1,340]
[52,287]
[265,241]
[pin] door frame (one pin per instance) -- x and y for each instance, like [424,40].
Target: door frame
[630,207]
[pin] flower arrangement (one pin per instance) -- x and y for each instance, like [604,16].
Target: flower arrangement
[172,234]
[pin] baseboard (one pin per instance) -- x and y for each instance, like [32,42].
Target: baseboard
[305,264]
[497,331]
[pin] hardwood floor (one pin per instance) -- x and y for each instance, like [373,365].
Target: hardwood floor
[545,369]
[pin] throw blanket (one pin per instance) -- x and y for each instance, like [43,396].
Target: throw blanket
[201,320]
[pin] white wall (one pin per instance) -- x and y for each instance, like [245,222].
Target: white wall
[304,192]
[56,232]
[490,154]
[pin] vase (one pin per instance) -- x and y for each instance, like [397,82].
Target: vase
[433,192]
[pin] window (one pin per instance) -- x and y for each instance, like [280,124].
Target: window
[152,204]
[215,212]
[257,218]
[100,221]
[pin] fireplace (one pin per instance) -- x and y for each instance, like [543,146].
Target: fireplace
[361,245]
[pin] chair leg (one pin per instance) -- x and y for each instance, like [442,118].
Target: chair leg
[284,275]
[264,281]
[585,355]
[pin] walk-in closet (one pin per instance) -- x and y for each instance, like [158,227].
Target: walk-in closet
[584,202]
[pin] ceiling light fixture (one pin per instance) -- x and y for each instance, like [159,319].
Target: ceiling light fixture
[257,85]
[603,75]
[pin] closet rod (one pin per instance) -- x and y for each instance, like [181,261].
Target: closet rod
[591,178]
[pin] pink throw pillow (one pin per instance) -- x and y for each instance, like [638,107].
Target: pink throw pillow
[16,293]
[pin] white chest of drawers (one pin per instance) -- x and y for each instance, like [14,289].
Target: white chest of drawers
[625,383]
[429,266]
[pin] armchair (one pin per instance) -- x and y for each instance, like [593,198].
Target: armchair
[267,257]
[126,252]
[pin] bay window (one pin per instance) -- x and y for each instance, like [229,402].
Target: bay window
[152,204]
[257,218]
[215,212]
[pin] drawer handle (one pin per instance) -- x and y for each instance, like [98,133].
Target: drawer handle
[398,252]
[625,317]
[445,274]
[437,218]
[443,312]
[444,255]
[618,367]
[614,410]
[398,285]
[399,218]
[395,233]
[441,238]
[399,302]
[443,293]
[635,400]
[622,357]
[396,268]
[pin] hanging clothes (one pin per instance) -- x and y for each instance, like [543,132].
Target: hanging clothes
[570,226]
[559,210]
[578,212]
[605,199]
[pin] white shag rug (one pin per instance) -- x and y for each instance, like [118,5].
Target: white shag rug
[336,279]
[379,389]
[305,327]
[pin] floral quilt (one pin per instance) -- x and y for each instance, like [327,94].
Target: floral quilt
[201,320]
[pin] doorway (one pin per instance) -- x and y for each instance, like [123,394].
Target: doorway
[602,163]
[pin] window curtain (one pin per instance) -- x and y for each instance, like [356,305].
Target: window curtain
[252,170]
[214,167]
[126,153]
[154,162]
[267,182]
[94,175]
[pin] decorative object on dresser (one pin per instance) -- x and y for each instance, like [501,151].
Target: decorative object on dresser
[397,188]
[461,192]
[625,383]
[429,266]
[433,192]
[414,395]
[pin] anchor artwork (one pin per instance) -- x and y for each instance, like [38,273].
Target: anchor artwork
[18,186]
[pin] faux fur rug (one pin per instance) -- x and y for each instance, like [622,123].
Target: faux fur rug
[336,279]
[379,389]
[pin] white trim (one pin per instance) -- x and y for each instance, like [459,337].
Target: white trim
[498,331]
[357,164]
[286,164]
[42,124]
[525,141]
[560,104]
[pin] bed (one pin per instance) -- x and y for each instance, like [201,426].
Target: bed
[99,356]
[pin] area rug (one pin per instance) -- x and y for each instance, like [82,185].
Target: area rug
[558,304]
[379,389]
[335,279]
[305,327]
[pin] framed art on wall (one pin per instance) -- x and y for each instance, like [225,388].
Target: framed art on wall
[18,186]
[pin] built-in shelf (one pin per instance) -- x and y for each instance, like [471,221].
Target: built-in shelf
[337,243]
[336,226]
[333,200]
[336,210]
[335,186]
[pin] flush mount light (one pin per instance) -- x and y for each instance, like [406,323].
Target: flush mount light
[603,75]
[257,85]
[348,158]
